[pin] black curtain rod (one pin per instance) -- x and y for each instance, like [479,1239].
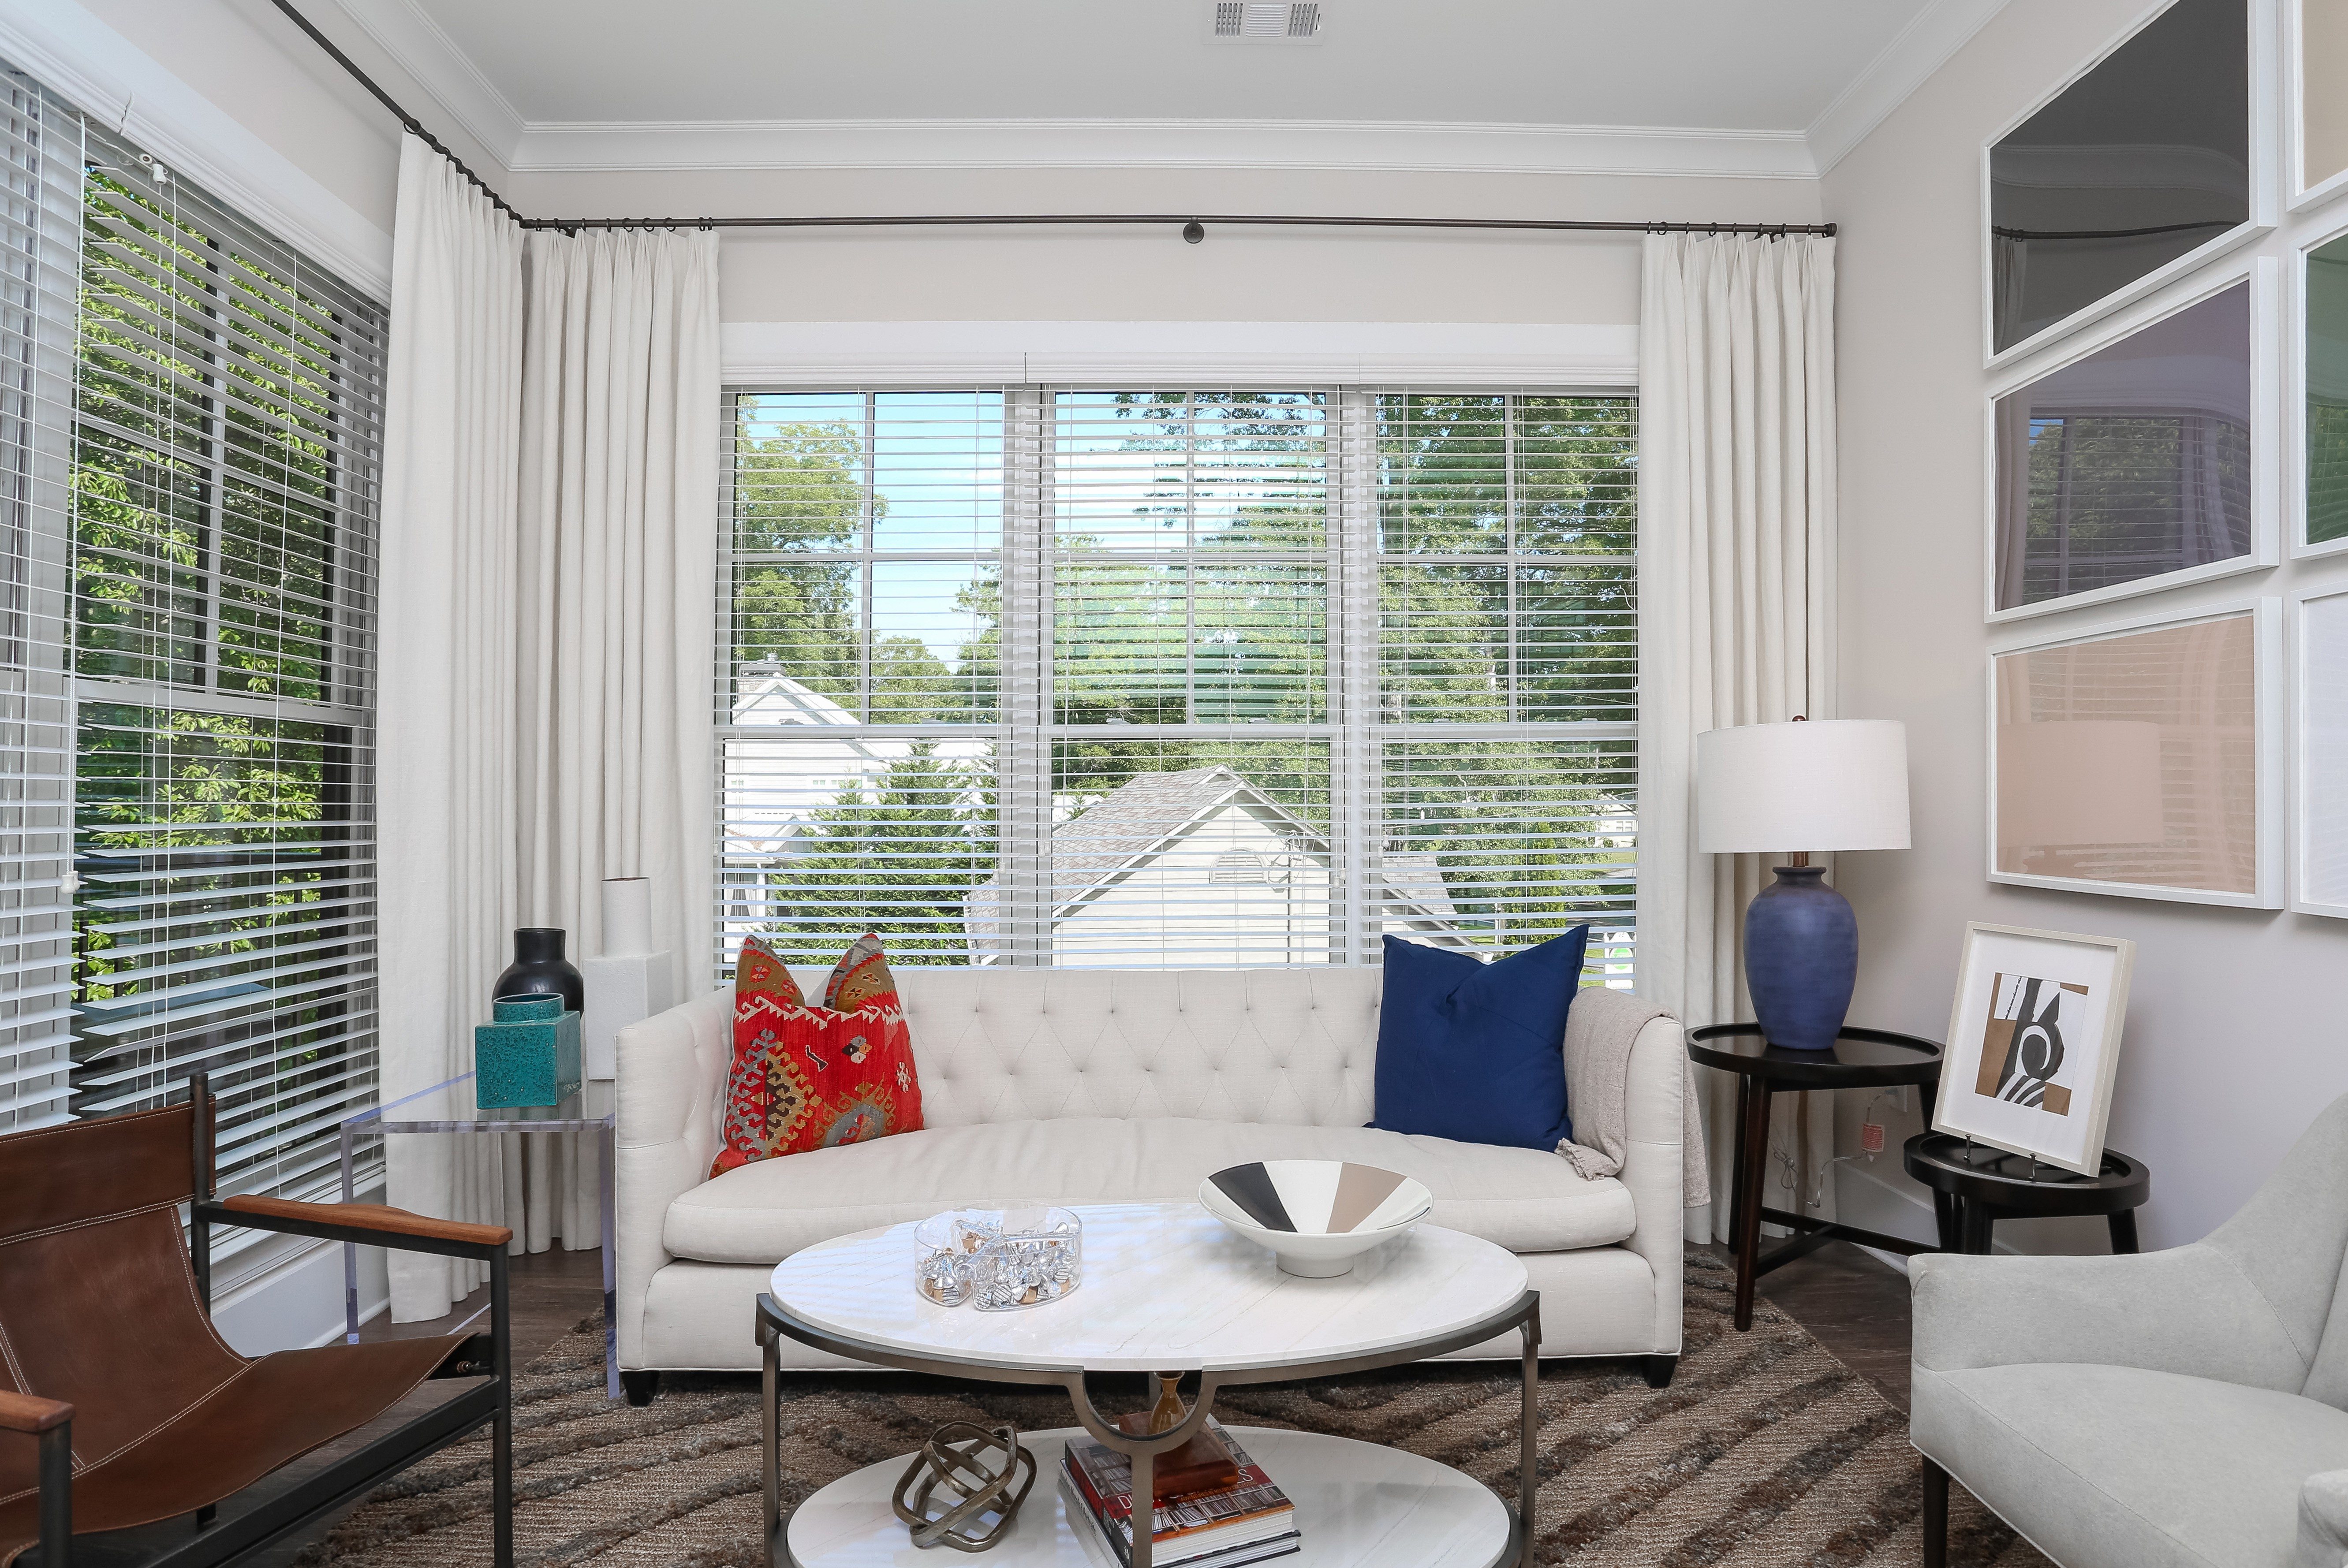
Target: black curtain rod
[1192,223]
[1189,221]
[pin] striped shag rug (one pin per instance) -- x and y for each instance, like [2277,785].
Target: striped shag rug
[1765,1452]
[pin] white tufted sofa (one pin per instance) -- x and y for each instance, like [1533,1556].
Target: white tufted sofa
[1108,1086]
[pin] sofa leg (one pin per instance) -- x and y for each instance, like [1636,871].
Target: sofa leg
[1936,1516]
[1659,1369]
[640,1387]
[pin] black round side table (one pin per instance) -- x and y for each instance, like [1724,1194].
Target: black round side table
[1975,1187]
[1861,1059]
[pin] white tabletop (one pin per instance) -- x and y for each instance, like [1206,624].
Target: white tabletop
[1166,1287]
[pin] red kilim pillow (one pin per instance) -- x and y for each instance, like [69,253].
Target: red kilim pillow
[806,1077]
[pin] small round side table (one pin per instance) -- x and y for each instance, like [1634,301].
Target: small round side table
[1975,1187]
[1861,1059]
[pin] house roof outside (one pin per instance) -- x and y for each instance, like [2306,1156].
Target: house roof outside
[1149,815]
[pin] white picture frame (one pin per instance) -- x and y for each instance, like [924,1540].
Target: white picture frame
[2267,794]
[2319,748]
[2265,49]
[2292,461]
[2037,1015]
[2264,276]
[2294,122]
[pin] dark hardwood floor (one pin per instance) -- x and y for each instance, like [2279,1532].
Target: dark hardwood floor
[551,1293]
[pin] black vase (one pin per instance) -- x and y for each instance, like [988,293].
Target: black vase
[539,969]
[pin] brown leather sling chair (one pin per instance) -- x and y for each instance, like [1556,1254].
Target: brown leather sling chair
[112,1373]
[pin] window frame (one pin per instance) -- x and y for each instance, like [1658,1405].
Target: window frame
[1026,725]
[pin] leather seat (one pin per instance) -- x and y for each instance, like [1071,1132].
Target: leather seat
[100,1309]
[1527,1200]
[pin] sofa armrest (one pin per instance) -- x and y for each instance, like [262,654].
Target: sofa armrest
[1653,1090]
[2322,1521]
[2188,1310]
[672,1075]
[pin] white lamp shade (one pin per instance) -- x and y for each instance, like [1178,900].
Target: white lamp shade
[1821,784]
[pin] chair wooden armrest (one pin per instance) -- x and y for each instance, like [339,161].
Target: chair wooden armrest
[374,1223]
[31,1413]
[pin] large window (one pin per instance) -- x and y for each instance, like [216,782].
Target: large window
[191,556]
[1201,677]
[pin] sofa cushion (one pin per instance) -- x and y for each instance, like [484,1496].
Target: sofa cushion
[2118,1466]
[1523,1199]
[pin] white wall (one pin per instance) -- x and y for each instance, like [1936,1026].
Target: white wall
[2235,1029]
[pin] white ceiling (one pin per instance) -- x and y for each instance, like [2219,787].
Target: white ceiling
[1734,87]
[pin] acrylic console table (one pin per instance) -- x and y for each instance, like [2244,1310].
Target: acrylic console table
[448,1107]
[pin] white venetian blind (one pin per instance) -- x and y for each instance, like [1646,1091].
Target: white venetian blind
[1198,677]
[226,424]
[1508,667]
[858,700]
[40,222]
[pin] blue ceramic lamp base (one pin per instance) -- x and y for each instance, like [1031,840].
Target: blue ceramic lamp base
[1801,958]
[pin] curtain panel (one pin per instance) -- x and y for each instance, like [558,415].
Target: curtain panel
[548,567]
[1736,540]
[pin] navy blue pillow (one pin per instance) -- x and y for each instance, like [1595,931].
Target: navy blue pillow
[1475,1051]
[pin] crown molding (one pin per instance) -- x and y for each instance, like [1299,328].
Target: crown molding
[1922,48]
[552,147]
[402,30]
[985,352]
[460,88]
[111,79]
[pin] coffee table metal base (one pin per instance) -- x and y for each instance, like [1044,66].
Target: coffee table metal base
[1358,1504]
[776,1322]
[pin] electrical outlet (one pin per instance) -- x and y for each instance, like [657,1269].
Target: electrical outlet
[1900,1097]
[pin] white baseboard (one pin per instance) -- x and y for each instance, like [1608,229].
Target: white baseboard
[1863,1198]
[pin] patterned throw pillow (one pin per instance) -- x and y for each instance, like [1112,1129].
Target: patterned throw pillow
[807,1077]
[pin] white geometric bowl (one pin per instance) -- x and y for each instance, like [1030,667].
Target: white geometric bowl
[1316,1215]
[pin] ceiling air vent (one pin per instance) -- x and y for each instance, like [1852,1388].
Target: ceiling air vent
[1264,21]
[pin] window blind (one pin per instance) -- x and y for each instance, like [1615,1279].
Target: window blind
[40,219]
[225,426]
[1134,676]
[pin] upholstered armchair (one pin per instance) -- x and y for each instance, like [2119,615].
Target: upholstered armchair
[129,1432]
[2185,1408]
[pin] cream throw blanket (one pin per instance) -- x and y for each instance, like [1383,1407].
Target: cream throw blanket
[1599,1032]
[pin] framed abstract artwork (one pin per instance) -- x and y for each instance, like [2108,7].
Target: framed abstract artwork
[2317,114]
[2137,759]
[2142,461]
[2318,392]
[2034,1042]
[2319,751]
[2144,165]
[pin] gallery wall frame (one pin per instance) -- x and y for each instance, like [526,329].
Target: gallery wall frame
[2319,750]
[2307,37]
[2299,514]
[2137,784]
[2033,1042]
[2263,69]
[2262,274]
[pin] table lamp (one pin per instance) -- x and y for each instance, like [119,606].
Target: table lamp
[1829,783]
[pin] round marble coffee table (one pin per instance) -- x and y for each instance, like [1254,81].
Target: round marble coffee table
[1167,1289]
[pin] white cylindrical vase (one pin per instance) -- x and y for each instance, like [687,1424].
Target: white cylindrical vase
[627,916]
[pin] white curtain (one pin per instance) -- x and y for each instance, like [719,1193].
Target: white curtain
[448,886]
[549,560]
[1737,536]
[619,512]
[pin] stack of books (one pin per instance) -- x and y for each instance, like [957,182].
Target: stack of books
[1247,1519]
